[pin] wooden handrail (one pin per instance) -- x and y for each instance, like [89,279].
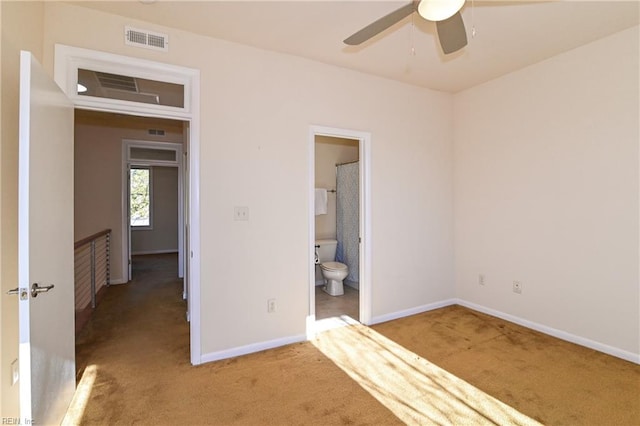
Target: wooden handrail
[91,238]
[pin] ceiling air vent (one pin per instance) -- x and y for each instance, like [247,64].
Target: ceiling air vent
[146,39]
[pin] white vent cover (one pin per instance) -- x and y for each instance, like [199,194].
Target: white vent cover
[146,39]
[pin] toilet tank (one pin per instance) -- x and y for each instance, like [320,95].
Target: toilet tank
[327,250]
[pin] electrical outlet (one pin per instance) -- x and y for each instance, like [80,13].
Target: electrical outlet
[481,279]
[241,213]
[271,306]
[517,287]
[15,372]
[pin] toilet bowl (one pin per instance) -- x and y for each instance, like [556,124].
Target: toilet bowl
[334,273]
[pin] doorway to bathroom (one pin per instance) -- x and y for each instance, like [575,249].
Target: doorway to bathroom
[339,206]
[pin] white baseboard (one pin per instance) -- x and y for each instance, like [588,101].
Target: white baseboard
[413,311]
[563,335]
[270,344]
[118,281]
[254,347]
[133,253]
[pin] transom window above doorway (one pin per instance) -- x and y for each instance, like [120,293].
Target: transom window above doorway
[106,82]
[127,88]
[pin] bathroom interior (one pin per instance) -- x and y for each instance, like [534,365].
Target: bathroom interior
[337,225]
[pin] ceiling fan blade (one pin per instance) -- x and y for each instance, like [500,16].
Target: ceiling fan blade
[452,34]
[380,25]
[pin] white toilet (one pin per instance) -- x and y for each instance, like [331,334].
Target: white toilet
[333,272]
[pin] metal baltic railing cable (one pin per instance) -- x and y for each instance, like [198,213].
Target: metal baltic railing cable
[92,268]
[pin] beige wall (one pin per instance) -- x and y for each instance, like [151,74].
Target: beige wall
[21,29]
[546,192]
[256,109]
[98,172]
[163,237]
[329,152]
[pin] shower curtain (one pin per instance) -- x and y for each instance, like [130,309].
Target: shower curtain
[348,218]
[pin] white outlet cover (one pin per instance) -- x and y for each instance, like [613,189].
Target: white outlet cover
[241,213]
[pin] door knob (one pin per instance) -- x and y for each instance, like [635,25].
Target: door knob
[36,289]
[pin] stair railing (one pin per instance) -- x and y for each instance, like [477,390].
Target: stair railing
[92,272]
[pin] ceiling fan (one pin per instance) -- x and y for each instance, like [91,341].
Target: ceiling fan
[445,13]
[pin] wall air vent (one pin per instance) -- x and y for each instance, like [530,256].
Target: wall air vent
[146,39]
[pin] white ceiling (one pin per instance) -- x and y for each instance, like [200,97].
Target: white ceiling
[509,34]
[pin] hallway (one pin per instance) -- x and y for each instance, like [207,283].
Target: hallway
[145,318]
[149,309]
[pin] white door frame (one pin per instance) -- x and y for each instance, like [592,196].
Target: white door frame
[128,163]
[67,62]
[365,289]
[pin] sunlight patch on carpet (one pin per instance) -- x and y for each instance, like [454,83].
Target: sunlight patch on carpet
[333,322]
[81,397]
[415,390]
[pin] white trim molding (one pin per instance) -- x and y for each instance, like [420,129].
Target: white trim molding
[413,311]
[364,144]
[312,329]
[562,335]
[69,59]
[129,163]
[252,348]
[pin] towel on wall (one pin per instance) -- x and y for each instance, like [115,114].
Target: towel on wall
[321,201]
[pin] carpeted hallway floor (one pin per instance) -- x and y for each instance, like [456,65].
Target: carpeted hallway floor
[133,368]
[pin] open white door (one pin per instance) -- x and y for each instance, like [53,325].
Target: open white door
[45,247]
